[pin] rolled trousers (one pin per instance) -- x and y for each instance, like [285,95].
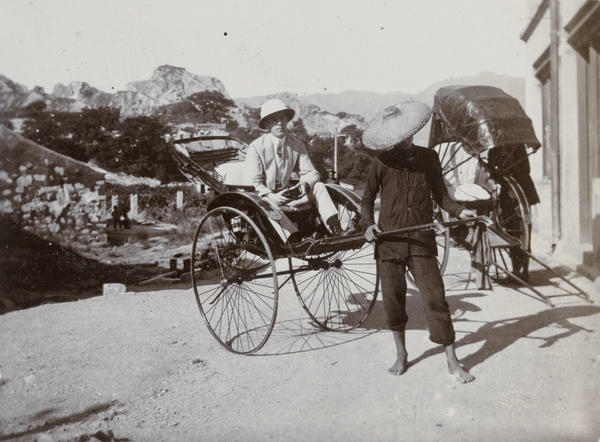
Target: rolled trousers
[431,287]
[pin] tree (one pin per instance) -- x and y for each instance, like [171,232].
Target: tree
[213,106]
[6,123]
[247,135]
[53,130]
[143,150]
[94,129]
[34,110]
[353,135]
[178,113]
[321,152]
[298,130]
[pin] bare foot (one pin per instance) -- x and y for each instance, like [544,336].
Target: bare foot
[401,364]
[461,375]
[454,367]
[399,367]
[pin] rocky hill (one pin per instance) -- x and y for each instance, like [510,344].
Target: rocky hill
[169,85]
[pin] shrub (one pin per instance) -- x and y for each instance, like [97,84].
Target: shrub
[159,204]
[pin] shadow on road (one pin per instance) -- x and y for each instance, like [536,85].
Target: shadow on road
[35,271]
[495,336]
[59,421]
[302,335]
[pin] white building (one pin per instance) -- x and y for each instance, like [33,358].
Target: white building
[563,41]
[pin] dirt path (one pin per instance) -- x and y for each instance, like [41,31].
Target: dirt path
[142,366]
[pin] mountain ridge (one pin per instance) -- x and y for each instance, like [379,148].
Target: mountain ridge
[167,85]
[368,104]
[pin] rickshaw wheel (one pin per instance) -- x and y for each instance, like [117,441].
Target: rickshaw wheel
[443,243]
[234,280]
[338,290]
[513,216]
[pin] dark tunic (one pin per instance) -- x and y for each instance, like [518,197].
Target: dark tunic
[408,179]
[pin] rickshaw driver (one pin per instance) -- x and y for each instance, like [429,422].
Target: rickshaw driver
[273,157]
[407,177]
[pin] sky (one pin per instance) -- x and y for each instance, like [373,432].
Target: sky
[261,47]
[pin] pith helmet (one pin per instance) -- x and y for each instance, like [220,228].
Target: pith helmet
[271,107]
[395,124]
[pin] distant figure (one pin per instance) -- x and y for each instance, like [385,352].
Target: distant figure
[332,177]
[125,221]
[116,216]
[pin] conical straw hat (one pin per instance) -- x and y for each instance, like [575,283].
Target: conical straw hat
[395,124]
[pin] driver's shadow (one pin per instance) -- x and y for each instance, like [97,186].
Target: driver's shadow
[495,336]
[300,335]
[303,334]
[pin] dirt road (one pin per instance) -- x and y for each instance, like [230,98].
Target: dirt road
[142,366]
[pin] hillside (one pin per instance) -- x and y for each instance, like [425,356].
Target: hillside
[169,85]
[368,104]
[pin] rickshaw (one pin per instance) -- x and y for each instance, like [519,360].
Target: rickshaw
[484,139]
[242,255]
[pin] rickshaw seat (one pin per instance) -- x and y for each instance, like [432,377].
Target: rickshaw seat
[465,178]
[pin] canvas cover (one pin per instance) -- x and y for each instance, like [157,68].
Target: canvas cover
[480,117]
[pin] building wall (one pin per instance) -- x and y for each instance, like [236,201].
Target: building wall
[575,176]
[51,195]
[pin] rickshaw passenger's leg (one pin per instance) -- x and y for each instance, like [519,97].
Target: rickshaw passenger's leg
[326,208]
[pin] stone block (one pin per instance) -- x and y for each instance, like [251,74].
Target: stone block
[24,181]
[185,277]
[6,207]
[113,289]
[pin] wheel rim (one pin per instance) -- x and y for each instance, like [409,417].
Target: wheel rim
[234,280]
[514,218]
[512,213]
[443,240]
[338,290]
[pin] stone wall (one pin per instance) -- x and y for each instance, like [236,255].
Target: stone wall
[51,195]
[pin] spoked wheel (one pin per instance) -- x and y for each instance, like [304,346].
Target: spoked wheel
[338,290]
[234,280]
[513,216]
[348,212]
[443,243]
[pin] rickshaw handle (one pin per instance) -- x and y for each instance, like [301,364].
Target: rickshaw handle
[440,227]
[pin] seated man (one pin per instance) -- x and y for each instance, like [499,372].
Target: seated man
[273,157]
[462,175]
